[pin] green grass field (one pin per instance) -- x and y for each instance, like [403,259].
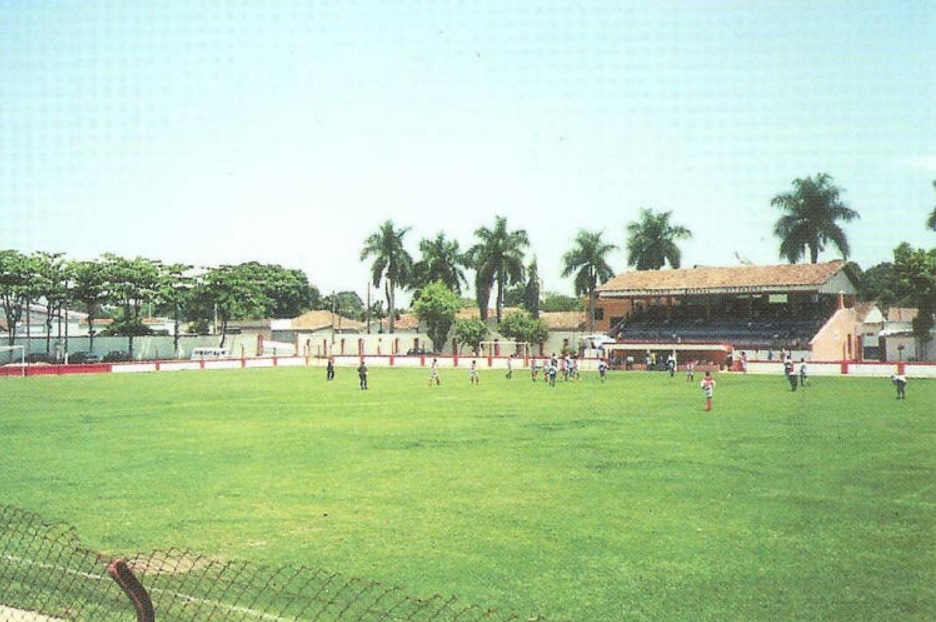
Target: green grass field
[587,501]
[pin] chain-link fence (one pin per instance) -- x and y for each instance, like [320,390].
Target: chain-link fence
[47,575]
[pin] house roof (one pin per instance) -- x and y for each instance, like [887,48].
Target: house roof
[868,313]
[406,321]
[901,314]
[321,319]
[564,320]
[710,280]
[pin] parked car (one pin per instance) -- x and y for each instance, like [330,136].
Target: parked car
[116,356]
[420,352]
[40,357]
[82,358]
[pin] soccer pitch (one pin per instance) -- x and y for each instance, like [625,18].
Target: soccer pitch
[584,501]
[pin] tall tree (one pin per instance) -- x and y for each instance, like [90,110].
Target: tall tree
[588,261]
[436,306]
[131,283]
[175,287]
[51,283]
[470,332]
[651,241]
[346,304]
[392,265]
[916,270]
[812,212]
[15,270]
[523,327]
[441,260]
[92,290]
[228,293]
[531,291]
[498,260]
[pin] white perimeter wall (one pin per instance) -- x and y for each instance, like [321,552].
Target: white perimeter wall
[864,369]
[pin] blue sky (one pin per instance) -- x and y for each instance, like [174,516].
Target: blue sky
[211,132]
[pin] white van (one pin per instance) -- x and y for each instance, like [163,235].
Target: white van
[201,354]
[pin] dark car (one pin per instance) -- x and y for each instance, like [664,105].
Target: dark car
[420,352]
[116,356]
[40,357]
[82,358]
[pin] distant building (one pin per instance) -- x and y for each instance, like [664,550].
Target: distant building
[808,308]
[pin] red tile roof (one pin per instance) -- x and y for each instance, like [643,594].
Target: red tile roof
[321,319]
[703,279]
[564,320]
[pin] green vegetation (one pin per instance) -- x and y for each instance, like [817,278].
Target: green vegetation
[587,501]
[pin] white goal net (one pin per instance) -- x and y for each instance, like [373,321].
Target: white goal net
[11,356]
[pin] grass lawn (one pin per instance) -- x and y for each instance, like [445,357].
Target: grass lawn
[587,501]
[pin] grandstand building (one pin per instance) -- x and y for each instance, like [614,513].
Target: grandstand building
[714,313]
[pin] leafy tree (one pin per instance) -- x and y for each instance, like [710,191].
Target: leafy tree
[15,271]
[470,333]
[346,304]
[392,265]
[227,293]
[526,295]
[91,288]
[554,301]
[812,211]
[174,291]
[436,306]
[442,260]
[588,262]
[521,326]
[131,283]
[651,241]
[498,260]
[287,290]
[531,291]
[880,284]
[51,284]
[916,269]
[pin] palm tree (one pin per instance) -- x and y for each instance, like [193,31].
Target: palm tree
[498,260]
[651,241]
[392,264]
[812,211]
[442,260]
[587,261]
[931,221]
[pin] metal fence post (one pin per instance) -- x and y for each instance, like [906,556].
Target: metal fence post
[134,589]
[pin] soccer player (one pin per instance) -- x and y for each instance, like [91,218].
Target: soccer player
[551,371]
[900,381]
[790,373]
[708,387]
[434,373]
[473,372]
[362,375]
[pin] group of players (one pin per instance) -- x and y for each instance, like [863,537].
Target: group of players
[567,367]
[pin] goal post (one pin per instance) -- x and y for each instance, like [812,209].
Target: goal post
[12,356]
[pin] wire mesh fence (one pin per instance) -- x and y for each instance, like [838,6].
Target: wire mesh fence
[45,570]
[46,574]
